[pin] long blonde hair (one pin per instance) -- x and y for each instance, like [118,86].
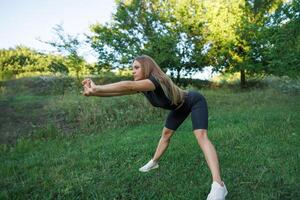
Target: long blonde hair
[150,67]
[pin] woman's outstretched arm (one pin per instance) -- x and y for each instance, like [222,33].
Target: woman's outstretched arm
[125,86]
[116,89]
[111,94]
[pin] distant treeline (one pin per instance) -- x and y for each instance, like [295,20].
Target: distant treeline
[252,37]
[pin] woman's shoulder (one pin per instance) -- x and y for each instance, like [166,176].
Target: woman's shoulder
[154,80]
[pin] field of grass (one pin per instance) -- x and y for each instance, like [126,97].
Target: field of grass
[56,146]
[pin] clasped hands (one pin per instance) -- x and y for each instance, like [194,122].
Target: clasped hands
[89,87]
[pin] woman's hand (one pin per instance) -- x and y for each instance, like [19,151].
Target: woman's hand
[88,81]
[89,87]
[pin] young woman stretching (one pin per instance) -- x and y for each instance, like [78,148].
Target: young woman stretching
[159,89]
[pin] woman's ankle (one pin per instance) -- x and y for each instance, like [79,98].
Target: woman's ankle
[219,181]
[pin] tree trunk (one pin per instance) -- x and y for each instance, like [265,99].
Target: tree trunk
[178,75]
[243,78]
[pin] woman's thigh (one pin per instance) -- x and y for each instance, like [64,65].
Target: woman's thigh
[176,118]
[199,113]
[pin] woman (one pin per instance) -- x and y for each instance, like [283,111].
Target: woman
[162,92]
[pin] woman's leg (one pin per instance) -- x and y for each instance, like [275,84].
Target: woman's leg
[163,143]
[210,154]
[174,119]
[161,148]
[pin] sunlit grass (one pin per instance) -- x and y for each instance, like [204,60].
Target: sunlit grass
[91,148]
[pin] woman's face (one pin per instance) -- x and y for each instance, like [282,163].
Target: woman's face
[137,71]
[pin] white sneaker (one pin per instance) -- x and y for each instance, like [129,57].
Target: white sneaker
[217,191]
[150,165]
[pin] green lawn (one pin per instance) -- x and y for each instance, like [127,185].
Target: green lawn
[256,134]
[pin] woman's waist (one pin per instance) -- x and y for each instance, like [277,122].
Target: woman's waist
[190,97]
[185,97]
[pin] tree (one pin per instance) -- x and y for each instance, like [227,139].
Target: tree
[150,27]
[69,46]
[22,59]
[245,36]
[281,50]
[232,28]
[220,19]
[252,37]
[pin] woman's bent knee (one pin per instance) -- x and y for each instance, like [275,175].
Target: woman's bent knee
[201,134]
[167,134]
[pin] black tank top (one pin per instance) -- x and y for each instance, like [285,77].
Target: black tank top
[157,97]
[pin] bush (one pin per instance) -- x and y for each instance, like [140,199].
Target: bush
[283,84]
[6,75]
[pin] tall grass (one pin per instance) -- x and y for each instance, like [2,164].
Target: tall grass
[91,148]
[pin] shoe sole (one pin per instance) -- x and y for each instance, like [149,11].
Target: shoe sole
[155,167]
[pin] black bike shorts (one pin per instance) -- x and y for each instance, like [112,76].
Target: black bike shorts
[194,103]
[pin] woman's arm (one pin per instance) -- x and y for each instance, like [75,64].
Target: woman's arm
[112,94]
[120,87]
[125,86]
[115,89]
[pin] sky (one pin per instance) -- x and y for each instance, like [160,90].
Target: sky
[23,22]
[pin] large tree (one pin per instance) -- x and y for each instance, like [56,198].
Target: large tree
[250,38]
[281,50]
[165,30]
[253,37]
[234,32]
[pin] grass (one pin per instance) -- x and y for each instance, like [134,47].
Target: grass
[256,134]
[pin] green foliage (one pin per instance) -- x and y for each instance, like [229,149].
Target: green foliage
[221,18]
[69,46]
[24,60]
[32,103]
[282,51]
[36,102]
[247,36]
[253,37]
[21,59]
[284,84]
[148,27]
[267,39]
